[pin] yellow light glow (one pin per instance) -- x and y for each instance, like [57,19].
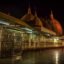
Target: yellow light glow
[18,57]
[56,40]
[56,55]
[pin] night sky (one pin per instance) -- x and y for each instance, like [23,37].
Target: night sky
[18,8]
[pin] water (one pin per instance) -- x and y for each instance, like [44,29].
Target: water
[44,56]
[48,56]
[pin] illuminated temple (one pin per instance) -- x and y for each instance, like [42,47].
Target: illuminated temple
[52,25]
[29,31]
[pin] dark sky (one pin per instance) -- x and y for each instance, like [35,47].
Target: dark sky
[18,8]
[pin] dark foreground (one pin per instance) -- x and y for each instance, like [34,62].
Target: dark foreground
[43,56]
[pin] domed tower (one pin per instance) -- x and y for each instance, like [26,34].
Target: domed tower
[29,16]
[56,25]
[38,22]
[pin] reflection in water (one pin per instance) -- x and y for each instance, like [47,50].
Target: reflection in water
[46,56]
[56,55]
[18,57]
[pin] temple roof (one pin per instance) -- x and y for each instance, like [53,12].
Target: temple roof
[29,16]
[12,19]
[56,24]
[37,21]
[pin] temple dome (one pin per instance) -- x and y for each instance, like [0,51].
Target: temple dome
[29,16]
[38,22]
[31,19]
[56,24]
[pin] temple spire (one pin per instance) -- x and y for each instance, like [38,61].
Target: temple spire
[51,16]
[29,10]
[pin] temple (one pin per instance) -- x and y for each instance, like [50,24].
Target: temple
[50,25]
[29,32]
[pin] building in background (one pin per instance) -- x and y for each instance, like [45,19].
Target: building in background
[34,21]
[29,31]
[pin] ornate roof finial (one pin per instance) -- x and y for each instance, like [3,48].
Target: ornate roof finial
[51,16]
[29,10]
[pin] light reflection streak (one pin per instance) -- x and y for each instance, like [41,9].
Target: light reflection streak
[18,57]
[56,55]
